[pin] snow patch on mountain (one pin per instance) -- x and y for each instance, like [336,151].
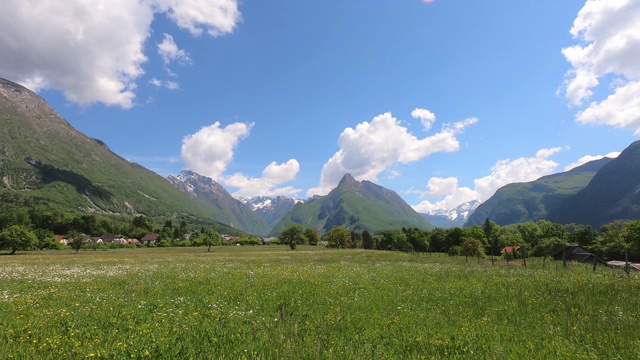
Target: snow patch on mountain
[448,218]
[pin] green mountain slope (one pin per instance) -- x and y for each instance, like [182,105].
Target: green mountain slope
[218,203]
[45,162]
[612,194]
[535,200]
[356,205]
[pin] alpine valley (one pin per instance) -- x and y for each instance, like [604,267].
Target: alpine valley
[47,165]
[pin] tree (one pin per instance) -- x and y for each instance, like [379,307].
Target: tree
[17,237]
[491,229]
[395,239]
[472,247]
[76,240]
[142,222]
[292,235]
[437,239]
[338,237]
[211,238]
[312,236]
[367,240]
[546,247]
[530,233]
[418,239]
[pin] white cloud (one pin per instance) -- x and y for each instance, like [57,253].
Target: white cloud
[441,186]
[209,151]
[216,17]
[609,45]
[427,118]
[587,158]
[155,82]
[172,85]
[373,147]
[502,173]
[458,196]
[93,51]
[273,176]
[169,51]
[620,109]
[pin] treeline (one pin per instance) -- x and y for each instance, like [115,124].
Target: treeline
[21,230]
[540,238]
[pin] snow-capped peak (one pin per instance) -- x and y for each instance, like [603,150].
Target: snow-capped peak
[462,211]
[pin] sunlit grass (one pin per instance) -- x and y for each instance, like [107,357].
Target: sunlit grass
[274,303]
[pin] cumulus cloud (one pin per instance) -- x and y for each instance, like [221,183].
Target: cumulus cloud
[373,147]
[441,186]
[427,118]
[607,32]
[587,158]
[503,172]
[93,51]
[169,51]
[273,176]
[209,151]
[215,17]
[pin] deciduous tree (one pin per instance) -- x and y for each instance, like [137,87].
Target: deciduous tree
[292,235]
[17,237]
[338,237]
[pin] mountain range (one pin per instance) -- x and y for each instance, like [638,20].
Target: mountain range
[46,164]
[358,205]
[218,203]
[271,209]
[612,194]
[593,194]
[449,218]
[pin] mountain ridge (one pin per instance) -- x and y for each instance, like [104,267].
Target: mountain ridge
[47,163]
[218,203]
[535,200]
[358,206]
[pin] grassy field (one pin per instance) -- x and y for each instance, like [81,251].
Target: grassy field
[311,303]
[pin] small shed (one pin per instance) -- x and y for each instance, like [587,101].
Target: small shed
[576,254]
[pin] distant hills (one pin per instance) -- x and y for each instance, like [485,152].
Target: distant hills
[218,203]
[358,206]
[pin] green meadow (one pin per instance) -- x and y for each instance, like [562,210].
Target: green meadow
[268,302]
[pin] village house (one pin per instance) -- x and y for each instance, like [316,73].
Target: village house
[149,239]
[61,239]
[112,238]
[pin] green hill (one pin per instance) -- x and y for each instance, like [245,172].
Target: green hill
[358,206]
[612,194]
[46,163]
[535,200]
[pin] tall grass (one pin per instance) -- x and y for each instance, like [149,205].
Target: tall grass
[273,303]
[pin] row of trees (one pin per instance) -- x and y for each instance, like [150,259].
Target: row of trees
[21,230]
[35,230]
[540,238]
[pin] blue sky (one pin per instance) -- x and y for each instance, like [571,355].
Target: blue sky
[442,101]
